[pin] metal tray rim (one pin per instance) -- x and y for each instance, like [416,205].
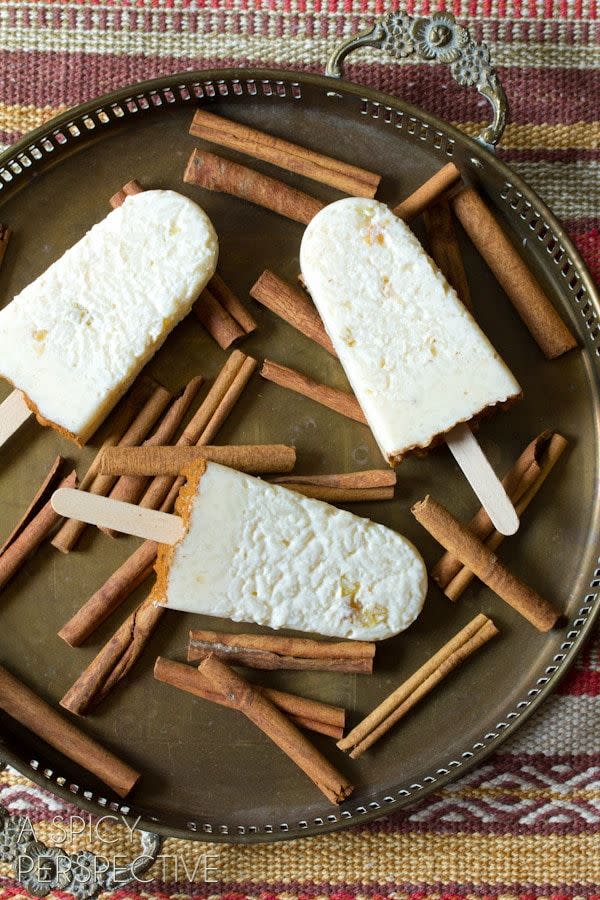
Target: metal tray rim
[544,684]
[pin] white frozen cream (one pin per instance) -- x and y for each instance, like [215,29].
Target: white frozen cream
[75,338]
[257,552]
[417,361]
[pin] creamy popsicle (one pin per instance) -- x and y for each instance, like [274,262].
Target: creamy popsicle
[75,339]
[257,552]
[417,361]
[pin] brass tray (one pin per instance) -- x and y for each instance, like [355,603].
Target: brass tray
[207,772]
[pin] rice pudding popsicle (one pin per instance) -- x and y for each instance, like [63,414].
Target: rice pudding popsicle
[256,552]
[418,362]
[244,549]
[74,340]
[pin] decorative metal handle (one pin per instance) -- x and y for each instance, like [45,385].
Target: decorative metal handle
[42,870]
[438,37]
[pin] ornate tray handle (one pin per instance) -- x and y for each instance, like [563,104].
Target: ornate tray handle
[42,870]
[438,37]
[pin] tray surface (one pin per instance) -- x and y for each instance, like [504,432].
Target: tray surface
[206,770]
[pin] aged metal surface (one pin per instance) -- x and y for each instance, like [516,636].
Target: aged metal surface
[204,766]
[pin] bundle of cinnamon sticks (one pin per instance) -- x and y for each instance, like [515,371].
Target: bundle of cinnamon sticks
[261,710]
[123,650]
[312,715]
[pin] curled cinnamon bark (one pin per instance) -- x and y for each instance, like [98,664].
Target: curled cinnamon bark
[25,707]
[217,321]
[537,312]
[445,249]
[347,487]
[114,661]
[128,190]
[158,460]
[265,715]
[333,398]
[427,193]
[291,157]
[231,303]
[393,708]
[265,651]
[132,423]
[474,554]
[129,488]
[27,541]
[522,483]
[216,173]
[293,306]
[311,714]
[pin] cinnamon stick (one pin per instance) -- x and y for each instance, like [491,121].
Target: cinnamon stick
[445,248]
[159,488]
[126,412]
[40,497]
[216,173]
[231,303]
[474,554]
[160,460]
[121,584]
[5,235]
[265,651]
[293,306]
[31,536]
[393,708]
[311,714]
[128,190]
[348,487]
[131,426]
[217,321]
[523,480]
[205,425]
[235,136]
[367,478]
[121,652]
[427,193]
[342,495]
[29,710]
[114,661]
[535,309]
[231,397]
[463,578]
[266,716]
[129,489]
[340,401]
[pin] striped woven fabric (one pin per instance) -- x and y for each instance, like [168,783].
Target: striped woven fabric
[525,824]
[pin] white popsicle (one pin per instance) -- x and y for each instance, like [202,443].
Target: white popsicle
[418,362]
[257,552]
[74,340]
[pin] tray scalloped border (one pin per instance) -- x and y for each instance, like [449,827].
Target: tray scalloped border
[185,89]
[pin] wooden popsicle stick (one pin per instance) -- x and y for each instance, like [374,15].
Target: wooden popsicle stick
[482,478]
[124,517]
[13,412]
